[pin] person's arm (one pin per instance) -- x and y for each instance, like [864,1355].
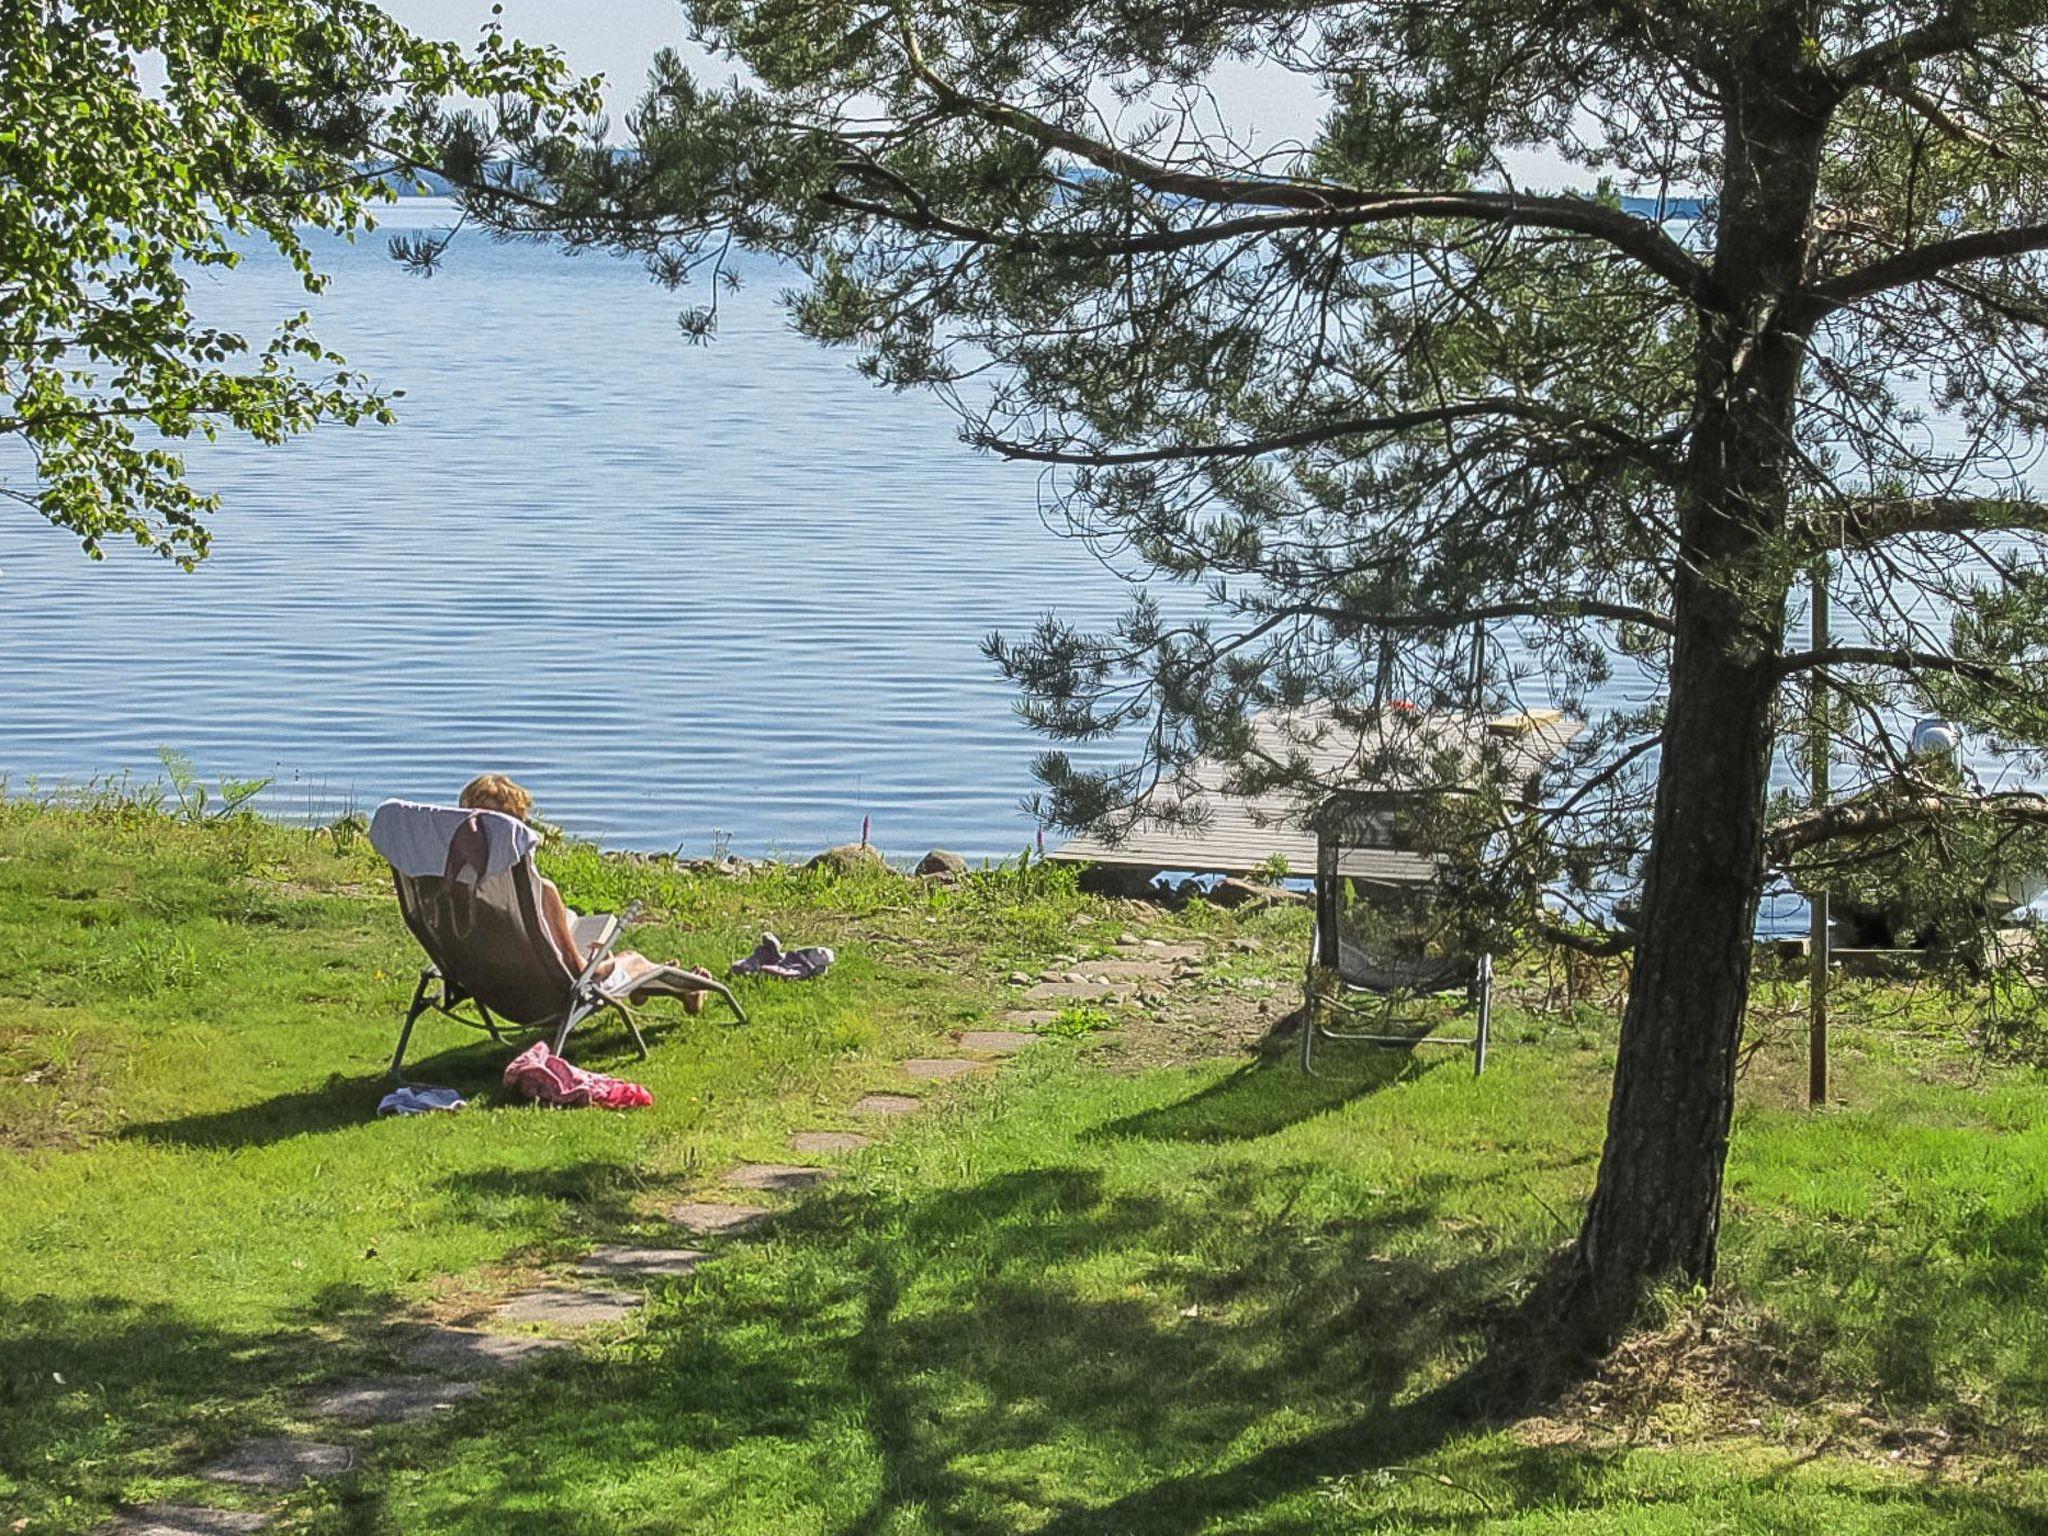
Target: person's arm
[562,929]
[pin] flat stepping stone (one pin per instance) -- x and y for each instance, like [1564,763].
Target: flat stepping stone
[280,1462]
[888,1104]
[466,1352]
[187,1520]
[1028,1018]
[811,1142]
[567,1309]
[621,1261]
[1132,970]
[779,1177]
[391,1399]
[707,1219]
[996,1042]
[1071,992]
[938,1069]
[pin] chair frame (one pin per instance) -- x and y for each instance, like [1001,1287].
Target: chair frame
[1335,831]
[586,999]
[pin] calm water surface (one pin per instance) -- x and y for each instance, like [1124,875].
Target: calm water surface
[687,594]
[677,590]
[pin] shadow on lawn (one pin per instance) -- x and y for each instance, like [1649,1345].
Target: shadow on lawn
[1261,1098]
[98,1394]
[475,1069]
[1060,1349]
[341,1101]
[997,1348]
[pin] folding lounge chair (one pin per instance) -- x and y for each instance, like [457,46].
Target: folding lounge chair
[471,896]
[1388,959]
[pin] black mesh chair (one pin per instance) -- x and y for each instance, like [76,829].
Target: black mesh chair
[1381,945]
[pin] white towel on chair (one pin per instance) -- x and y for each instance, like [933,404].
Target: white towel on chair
[414,839]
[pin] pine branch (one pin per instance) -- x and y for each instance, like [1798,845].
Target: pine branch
[1863,819]
[1346,207]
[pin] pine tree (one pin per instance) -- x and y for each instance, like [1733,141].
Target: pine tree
[1372,394]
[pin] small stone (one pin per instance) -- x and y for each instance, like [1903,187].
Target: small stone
[812,1142]
[848,857]
[466,1352]
[619,1261]
[780,1177]
[707,1219]
[567,1309]
[280,1462]
[391,1400]
[186,1520]
[996,1042]
[888,1104]
[1129,940]
[1020,978]
[939,862]
[939,1069]
[1245,946]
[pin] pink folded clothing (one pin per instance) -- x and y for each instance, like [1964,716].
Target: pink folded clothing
[548,1079]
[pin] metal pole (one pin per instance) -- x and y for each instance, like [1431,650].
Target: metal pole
[1817,987]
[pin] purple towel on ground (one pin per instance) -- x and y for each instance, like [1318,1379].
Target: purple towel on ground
[771,959]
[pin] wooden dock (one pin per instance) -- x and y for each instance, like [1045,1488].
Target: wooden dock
[1239,836]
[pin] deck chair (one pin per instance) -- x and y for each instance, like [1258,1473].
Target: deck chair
[1381,940]
[469,892]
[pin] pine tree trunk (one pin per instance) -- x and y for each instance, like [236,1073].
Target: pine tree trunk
[1656,1209]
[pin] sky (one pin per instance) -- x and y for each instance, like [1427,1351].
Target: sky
[617,38]
[1266,106]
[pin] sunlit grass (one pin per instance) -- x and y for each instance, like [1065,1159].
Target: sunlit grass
[1207,1297]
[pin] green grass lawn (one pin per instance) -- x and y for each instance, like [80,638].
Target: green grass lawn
[1140,1281]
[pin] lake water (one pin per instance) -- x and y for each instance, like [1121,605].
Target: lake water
[678,591]
[690,595]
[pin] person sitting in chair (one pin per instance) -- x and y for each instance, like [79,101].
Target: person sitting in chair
[496,792]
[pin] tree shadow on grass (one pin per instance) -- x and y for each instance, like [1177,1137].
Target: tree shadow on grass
[1062,1349]
[1263,1097]
[593,1194]
[96,1395]
[996,1351]
[338,1103]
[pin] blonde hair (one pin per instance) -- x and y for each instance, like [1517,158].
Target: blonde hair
[495,792]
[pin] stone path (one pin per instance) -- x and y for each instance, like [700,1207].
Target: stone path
[710,1220]
[619,1261]
[391,1399]
[781,1178]
[280,1462]
[811,1142]
[888,1104]
[939,1069]
[566,1308]
[466,1352]
[1083,991]
[453,1358]
[187,1520]
[996,1042]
